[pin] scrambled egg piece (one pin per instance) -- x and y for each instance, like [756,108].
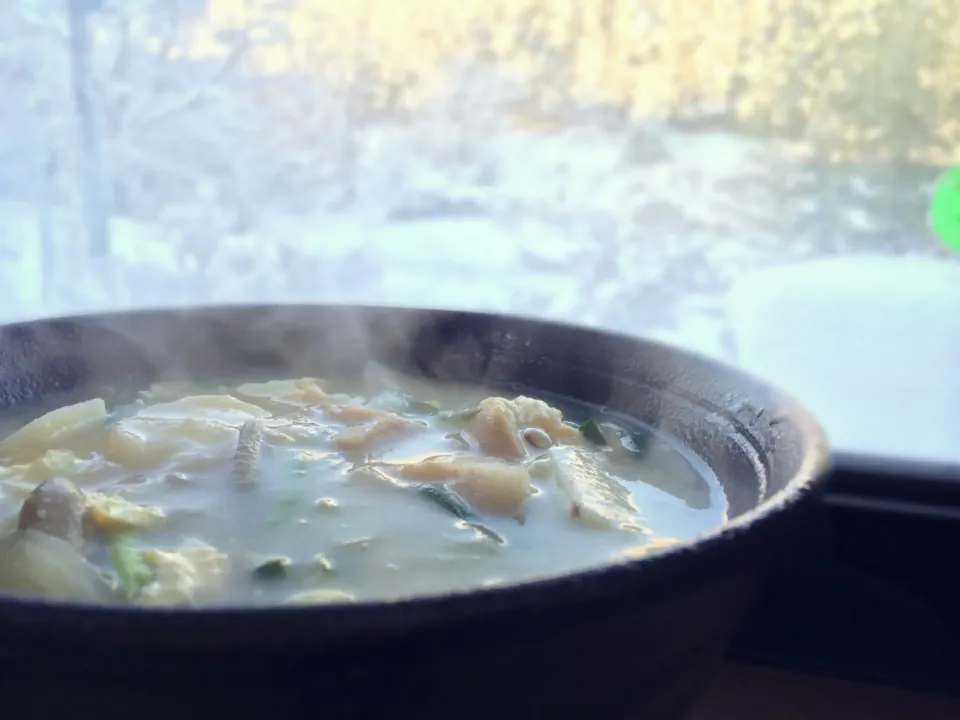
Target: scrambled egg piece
[115,514]
[183,576]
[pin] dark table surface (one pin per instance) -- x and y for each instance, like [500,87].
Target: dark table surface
[742,692]
[870,591]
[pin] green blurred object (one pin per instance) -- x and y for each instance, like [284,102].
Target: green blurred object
[945,208]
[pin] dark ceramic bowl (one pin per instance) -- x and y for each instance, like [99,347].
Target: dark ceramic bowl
[637,639]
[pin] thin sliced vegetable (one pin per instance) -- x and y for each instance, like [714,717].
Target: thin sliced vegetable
[54,431]
[595,498]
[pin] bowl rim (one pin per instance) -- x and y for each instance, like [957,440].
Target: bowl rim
[806,481]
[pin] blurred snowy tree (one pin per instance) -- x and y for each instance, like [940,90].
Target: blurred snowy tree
[92,180]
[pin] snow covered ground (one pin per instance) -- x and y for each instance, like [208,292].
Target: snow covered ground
[652,231]
[871,344]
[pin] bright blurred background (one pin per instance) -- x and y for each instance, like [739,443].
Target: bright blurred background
[638,165]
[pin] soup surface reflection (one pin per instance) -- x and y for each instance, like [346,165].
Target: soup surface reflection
[308,491]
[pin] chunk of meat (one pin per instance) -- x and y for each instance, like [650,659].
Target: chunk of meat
[55,508]
[43,555]
[488,485]
[363,437]
[499,423]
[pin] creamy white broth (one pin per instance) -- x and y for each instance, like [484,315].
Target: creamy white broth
[325,509]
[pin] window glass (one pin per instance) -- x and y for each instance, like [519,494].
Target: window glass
[752,180]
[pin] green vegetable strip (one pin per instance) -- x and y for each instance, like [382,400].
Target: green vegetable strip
[275,569]
[639,439]
[129,564]
[246,458]
[591,431]
[453,504]
[488,532]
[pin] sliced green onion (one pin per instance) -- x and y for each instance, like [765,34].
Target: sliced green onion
[591,431]
[273,569]
[446,499]
[130,565]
